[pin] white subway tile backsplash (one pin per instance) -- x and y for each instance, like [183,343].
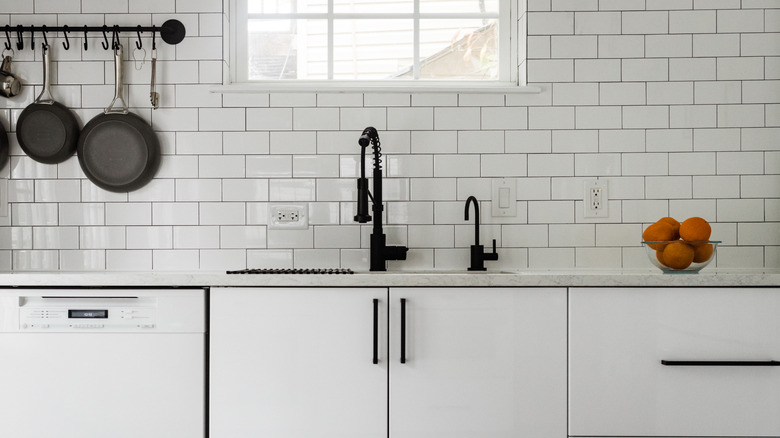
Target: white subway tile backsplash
[674,101]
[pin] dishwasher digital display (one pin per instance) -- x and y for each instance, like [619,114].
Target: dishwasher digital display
[102,314]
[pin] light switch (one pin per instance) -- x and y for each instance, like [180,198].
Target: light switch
[504,202]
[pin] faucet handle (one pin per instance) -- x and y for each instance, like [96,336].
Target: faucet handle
[492,255]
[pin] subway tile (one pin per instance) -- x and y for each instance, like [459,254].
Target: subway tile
[644,210]
[575,141]
[550,165]
[716,187]
[156,190]
[222,213]
[622,140]
[249,143]
[598,117]
[551,258]
[758,139]
[692,69]
[411,118]
[198,143]
[195,95]
[693,116]
[245,190]
[621,46]
[221,166]
[358,118]
[528,141]
[716,45]
[598,258]
[550,23]
[456,118]
[55,237]
[175,260]
[315,118]
[731,116]
[221,119]
[714,92]
[573,46]
[758,233]
[538,47]
[269,119]
[551,118]
[82,260]
[740,163]
[129,214]
[740,21]
[740,210]
[645,70]
[575,94]
[669,93]
[763,44]
[617,234]
[424,189]
[645,22]
[428,142]
[316,166]
[504,165]
[194,237]
[504,118]
[645,164]
[291,238]
[625,93]
[760,91]
[149,237]
[668,187]
[698,21]
[692,163]
[221,260]
[550,70]
[597,164]
[567,235]
[175,213]
[292,190]
[669,140]
[481,100]
[597,70]
[129,260]
[741,68]
[198,189]
[646,117]
[456,166]
[668,46]
[597,23]
[480,142]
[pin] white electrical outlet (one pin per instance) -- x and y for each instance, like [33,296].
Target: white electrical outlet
[288,216]
[596,199]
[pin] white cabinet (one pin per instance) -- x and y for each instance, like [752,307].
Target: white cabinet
[718,378]
[293,362]
[298,363]
[486,363]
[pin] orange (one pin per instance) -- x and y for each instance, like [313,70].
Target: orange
[675,225]
[678,255]
[695,229]
[702,253]
[659,231]
[660,256]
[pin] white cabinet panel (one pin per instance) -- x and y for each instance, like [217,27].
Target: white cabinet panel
[618,385]
[297,363]
[480,362]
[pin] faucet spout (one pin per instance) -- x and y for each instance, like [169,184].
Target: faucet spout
[478,254]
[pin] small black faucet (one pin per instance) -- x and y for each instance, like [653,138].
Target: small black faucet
[380,251]
[478,254]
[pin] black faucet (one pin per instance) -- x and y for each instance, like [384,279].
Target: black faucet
[478,254]
[380,251]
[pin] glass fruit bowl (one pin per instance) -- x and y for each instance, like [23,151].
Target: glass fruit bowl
[680,256]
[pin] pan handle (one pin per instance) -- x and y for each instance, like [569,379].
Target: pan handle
[118,93]
[46,79]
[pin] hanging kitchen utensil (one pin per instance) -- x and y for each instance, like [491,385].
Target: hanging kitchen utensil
[154,96]
[3,146]
[10,85]
[47,130]
[118,150]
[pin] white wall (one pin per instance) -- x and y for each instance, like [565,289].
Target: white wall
[674,102]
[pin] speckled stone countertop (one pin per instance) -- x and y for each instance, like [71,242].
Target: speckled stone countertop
[617,278]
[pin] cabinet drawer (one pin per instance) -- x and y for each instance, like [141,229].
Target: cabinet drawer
[618,384]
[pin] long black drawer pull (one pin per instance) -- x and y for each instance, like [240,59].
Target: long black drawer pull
[403,330]
[376,331]
[722,363]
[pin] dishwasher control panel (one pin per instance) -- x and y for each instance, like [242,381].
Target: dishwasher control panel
[86,314]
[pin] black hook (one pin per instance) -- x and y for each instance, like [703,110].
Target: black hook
[7,37]
[66,43]
[32,37]
[45,40]
[85,37]
[19,39]
[139,44]
[115,38]
[154,32]
[105,38]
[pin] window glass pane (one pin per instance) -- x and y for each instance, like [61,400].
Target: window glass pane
[372,49]
[286,6]
[459,6]
[288,49]
[373,6]
[459,49]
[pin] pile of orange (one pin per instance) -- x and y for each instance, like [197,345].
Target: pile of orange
[680,244]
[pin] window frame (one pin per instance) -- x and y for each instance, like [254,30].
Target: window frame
[511,76]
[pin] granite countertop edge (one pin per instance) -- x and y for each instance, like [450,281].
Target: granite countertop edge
[537,278]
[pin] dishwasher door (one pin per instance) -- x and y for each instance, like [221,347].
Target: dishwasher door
[102,363]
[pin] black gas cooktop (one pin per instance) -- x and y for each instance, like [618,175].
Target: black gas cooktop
[294,271]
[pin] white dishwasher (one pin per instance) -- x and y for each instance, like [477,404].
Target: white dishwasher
[96,363]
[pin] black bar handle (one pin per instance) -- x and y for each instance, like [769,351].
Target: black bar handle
[722,363]
[376,331]
[403,330]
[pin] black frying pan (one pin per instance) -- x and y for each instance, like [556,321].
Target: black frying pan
[118,151]
[47,131]
[3,146]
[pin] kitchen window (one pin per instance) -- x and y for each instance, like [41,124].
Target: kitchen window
[376,44]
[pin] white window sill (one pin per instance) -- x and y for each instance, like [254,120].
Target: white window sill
[373,87]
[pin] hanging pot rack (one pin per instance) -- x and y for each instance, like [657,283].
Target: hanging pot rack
[171,32]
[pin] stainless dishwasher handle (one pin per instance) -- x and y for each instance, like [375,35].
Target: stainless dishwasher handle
[722,363]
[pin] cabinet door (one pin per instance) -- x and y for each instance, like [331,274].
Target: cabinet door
[480,362]
[719,385]
[297,363]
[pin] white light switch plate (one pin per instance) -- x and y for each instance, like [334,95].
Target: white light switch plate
[504,202]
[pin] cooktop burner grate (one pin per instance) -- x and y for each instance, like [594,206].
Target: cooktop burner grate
[294,271]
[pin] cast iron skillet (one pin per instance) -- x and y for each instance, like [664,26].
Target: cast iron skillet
[117,150]
[3,146]
[47,131]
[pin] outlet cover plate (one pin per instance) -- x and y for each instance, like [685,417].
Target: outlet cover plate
[289,216]
[596,199]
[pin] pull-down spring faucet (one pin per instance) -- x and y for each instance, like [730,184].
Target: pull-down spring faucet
[380,251]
